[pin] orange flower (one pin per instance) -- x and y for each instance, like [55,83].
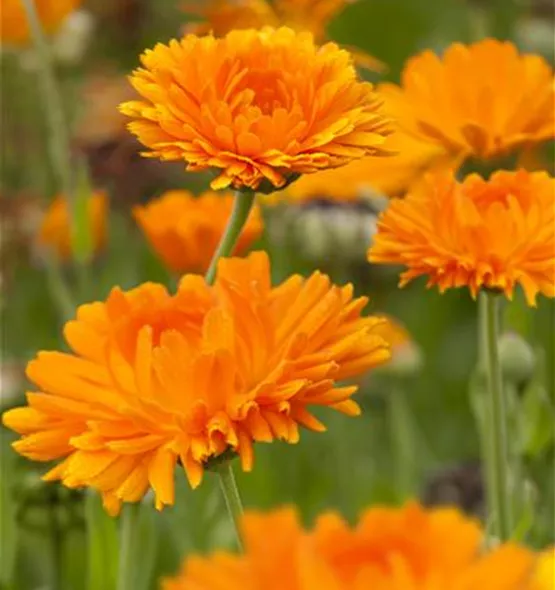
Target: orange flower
[55,230]
[482,100]
[406,548]
[185,231]
[259,107]
[13,18]
[368,176]
[222,16]
[156,378]
[493,234]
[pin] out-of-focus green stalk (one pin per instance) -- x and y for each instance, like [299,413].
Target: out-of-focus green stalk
[127,547]
[496,460]
[58,142]
[402,441]
[58,139]
[62,296]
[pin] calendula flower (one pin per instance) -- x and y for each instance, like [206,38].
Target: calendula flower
[185,231]
[222,16]
[406,548]
[155,378]
[370,176]
[14,28]
[55,231]
[259,107]
[493,234]
[481,100]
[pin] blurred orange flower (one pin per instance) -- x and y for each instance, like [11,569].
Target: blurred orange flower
[185,231]
[55,230]
[258,107]
[481,100]
[221,16]
[156,378]
[408,548]
[494,233]
[13,19]
[369,177]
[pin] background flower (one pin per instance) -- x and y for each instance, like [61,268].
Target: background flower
[13,19]
[221,16]
[389,549]
[185,230]
[481,100]
[55,230]
[155,378]
[245,107]
[494,233]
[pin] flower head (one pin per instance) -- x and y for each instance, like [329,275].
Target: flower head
[156,378]
[258,107]
[481,100]
[369,177]
[185,231]
[14,27]
[494,233]
[221,16]
[55,230]
[406,548]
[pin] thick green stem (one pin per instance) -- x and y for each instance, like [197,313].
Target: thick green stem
[231,495]
[241,208]
[497,459]
[127,546]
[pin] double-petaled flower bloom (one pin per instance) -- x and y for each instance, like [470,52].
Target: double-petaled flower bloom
[480,101]
[154,379]
[257,107]
[185,230]
[493,234]
[406,548]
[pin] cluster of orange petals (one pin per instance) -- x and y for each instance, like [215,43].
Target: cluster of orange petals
[367,177]
[406,548]
[481,100]
[14,27]
[55,230]
[221,16]
[155,378]
[185,230]
[494,233]
[258,107]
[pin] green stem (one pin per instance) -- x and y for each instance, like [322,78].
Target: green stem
[241,208]
[231,495]
[58,138]
[57,547]
[58,143]
[402,442]
[497,460]
[60,292]
[127,546]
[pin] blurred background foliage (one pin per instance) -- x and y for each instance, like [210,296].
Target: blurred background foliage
[417,435]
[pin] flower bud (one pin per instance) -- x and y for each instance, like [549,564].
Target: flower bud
[517,358]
